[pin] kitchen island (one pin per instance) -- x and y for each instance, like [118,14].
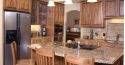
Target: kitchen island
[107,54]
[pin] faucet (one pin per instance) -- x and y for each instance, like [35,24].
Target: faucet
[117,38]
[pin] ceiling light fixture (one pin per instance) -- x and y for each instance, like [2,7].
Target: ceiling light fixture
[68,2]
[91,0]
[51,3]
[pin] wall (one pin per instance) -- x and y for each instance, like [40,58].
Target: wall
[71,17]
[1,32]
[112,28]
[68,9]
[75,6]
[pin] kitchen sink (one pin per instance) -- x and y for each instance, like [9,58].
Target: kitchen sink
[83,46]
[88,47]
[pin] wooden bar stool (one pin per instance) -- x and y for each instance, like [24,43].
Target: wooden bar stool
[14,55]
[75,60]
[44,57]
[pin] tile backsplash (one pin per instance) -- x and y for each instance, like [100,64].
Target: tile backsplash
[112,28]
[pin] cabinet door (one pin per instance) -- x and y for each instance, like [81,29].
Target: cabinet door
[85,15]
[10,4]
[91,15]
[24,5]
[34,17]
[110,8]
[62,13]
[59,13]
[43,13]
[121,7]
[96,15]
[56,10]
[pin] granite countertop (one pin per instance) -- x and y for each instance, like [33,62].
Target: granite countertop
[107,53]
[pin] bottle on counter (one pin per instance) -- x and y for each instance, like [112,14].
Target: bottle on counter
[78,48]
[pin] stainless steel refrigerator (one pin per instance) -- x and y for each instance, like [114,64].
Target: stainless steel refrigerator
[17,28]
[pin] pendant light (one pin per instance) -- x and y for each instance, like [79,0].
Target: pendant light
[91,0]
[51,3]
[68,2]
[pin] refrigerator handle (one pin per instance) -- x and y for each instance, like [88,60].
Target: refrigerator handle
[18,29]
[18,21]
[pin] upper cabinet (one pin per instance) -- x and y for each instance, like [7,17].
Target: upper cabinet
[10,4]
[59,13]
[110,8]
[34,15]
[24,5]
[39,12]
[91,15]
[114,8]
[121,8]
[18,5]
[42,13]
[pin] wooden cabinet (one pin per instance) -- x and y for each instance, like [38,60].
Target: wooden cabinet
[122,8]
[58,22]
[110,8]
[24,5]
[18,5]
[59,13]
[114,8]
[43,13]
[91,15]
[34,13]
[39,12]
[10,4]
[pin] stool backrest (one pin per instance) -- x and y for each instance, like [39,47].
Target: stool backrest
[74,60]
[44,57]
[14,52]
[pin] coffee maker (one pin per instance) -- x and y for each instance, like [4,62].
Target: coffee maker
[43,31]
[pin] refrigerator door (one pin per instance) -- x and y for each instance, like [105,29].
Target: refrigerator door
[10,21]
[24,35]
